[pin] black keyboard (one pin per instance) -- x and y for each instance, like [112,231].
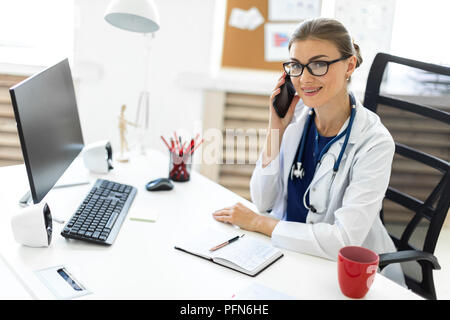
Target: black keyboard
[100,216]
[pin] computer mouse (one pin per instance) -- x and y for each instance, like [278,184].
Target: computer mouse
[159,184]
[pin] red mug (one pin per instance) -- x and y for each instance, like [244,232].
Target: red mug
[357,267]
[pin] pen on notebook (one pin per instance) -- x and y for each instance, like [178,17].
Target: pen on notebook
[226,242]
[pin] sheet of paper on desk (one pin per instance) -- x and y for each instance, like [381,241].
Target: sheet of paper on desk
[257,291]
[144,216]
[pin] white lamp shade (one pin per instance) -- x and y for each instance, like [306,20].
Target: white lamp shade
[133,15]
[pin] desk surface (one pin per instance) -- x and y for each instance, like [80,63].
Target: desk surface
[142,263]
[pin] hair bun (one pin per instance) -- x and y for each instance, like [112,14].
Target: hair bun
[357,54]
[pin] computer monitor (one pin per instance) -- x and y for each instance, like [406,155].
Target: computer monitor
[48,124]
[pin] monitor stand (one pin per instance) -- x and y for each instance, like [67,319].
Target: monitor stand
[26,200]
[75,175]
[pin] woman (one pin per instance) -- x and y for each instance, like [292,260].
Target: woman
[326,165]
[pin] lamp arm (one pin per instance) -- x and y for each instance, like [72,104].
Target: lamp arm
[148,45]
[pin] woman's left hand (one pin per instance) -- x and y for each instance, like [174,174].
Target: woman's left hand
[245,218]
[239,215]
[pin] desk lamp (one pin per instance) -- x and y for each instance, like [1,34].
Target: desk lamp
[137,16]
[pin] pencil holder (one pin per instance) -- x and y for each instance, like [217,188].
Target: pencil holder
[180,167]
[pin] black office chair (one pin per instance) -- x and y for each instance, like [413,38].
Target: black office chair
[436,205]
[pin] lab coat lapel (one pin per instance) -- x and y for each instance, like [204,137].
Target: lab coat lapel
[329,159]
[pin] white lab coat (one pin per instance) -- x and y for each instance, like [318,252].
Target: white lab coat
[348,212]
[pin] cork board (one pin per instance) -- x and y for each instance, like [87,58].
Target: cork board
[245,48]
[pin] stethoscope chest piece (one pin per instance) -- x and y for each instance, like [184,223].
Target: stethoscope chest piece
[298,171]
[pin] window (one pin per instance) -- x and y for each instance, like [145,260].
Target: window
[36,33]
[421,31]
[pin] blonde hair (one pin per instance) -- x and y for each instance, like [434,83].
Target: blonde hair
[327,29]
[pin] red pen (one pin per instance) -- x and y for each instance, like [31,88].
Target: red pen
[189,148]
[176,140]
[196,137]
[198,145]
[182,148]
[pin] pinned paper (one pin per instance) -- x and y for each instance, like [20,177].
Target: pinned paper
[246,19]
[293,10]
[276,41]
[255,19]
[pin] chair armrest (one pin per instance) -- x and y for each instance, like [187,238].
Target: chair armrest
[408,255]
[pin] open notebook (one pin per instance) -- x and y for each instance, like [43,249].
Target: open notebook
[247,255]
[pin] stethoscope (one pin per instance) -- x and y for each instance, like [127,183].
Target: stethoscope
[298,171]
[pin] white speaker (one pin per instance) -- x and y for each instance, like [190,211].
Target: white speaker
[32,226]
[97,157]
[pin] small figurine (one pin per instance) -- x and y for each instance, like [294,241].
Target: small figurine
[123,129]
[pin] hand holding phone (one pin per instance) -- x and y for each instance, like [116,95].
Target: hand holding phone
[283,100]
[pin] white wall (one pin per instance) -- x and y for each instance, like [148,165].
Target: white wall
[109,69]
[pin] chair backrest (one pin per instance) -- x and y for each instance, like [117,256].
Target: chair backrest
[435,205]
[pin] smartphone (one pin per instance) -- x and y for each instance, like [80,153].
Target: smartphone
[282,101]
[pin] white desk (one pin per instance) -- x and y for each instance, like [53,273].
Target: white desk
[142,263]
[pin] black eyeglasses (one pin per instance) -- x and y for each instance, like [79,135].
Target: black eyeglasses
[316,68]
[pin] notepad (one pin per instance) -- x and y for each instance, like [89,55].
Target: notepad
[247,255]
